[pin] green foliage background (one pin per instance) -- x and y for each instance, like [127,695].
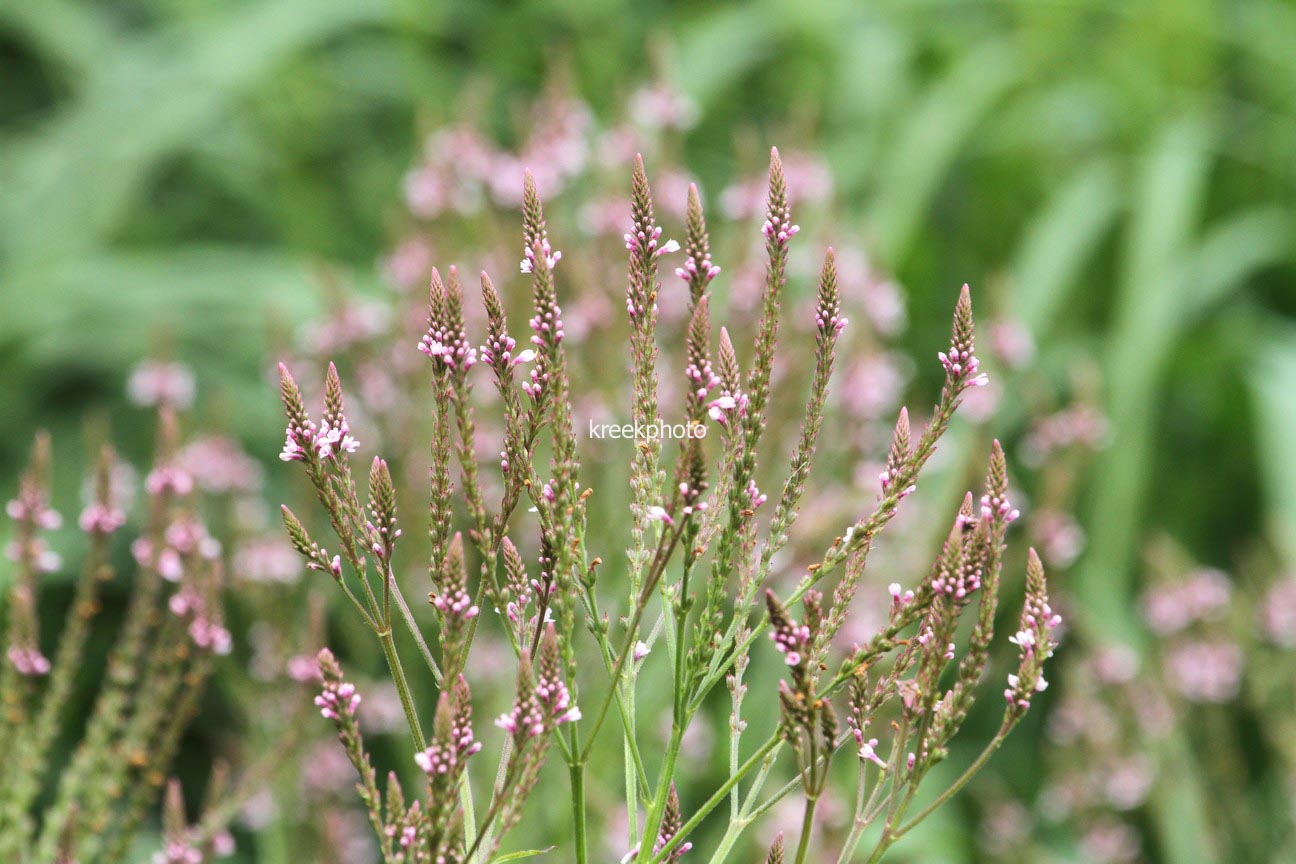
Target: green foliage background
[1120,174]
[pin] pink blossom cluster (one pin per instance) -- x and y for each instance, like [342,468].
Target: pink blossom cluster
[959,583]
[873,385]
[998,508]
[1204,595]
[1277,613]
[636,240]
[659,106]
[440,759]
[456,603]
[925,636]
[500,350]
[461,168]
[184,536]
[1035,643]
[337,700]
[553,694]
[100,518]
[29,661]
[779,228]
[30,507]
[204,629]
[868,749]
[169,479]
[791,639]
[547,325]
[703,378]
[693,267]
[450,347]
[178,852]
[350,323]
[899,597]
[218,465]
[268,560]
[324,441]
[154,382]
[887,480]
[961,365]
[1077,426]
[720,408]
[1205,671]
[541,251]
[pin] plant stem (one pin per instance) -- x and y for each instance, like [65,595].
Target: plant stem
[958,784]
[402,688]
[652,822]
[807,826]
[414,630]
[577,771]
[716,797]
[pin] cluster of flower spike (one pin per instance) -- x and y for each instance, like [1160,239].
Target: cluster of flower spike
[32,508]
[1034,639]
[961,363]
[325,441]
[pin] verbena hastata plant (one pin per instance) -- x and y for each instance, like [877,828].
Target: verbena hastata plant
[156,670]
[694,594]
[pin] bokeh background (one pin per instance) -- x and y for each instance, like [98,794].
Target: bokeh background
[191,181]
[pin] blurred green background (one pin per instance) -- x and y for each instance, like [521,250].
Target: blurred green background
[1120,176]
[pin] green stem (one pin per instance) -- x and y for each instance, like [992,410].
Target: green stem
[958,784]
[652,822]
[414,630]
[807,826]
[717,797]
[402,688]
[577,772]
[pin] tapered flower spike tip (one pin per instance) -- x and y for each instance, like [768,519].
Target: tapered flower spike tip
[533,221]
[828,318]
[777,184]
[334,409]
[491,299]
[294,406]
[902,438]
[1036,584]
[454,294]
[640,196]
[727,362]
[997,474]
[436,295]
[776,851]
[693,215]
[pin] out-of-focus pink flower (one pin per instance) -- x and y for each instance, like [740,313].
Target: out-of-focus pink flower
[1203,671]
[154,382]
